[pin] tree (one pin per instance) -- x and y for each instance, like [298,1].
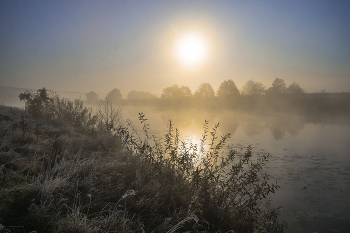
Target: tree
[92,97]
[186,91]
[137,95]
[38,104]
[253,88]
[295,89]
[176,92]
[228,89]
[278,87]
[114,95]
[204,90]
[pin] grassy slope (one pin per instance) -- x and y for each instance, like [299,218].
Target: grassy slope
[58,178]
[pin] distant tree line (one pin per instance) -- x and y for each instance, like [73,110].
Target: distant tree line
[227,90]
[115,96]
[252,95]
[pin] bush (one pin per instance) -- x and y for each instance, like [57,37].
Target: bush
[38,103]
[226,191]
[47,104]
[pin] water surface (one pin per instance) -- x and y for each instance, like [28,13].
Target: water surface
[309,157]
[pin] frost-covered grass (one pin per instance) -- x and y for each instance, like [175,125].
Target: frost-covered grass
[100,175]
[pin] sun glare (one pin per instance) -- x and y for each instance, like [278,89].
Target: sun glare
[191,49]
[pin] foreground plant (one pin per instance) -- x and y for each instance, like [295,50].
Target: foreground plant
[228,190]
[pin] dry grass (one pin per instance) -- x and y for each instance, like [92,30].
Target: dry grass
[69,177]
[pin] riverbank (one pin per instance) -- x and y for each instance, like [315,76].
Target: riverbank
[65,176]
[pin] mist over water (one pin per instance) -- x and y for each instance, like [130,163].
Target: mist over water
[309,156]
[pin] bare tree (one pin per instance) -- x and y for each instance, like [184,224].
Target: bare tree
[108,116]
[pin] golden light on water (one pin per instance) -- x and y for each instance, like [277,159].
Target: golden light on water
[191,49]
[194,147]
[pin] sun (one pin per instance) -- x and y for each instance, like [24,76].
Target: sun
[191,49]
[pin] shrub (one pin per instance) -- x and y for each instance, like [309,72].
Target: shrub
[46,104]
[38,103]
[108,116]
[227,191]
[73,112]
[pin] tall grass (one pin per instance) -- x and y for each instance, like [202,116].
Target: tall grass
[115,178]
[225,186]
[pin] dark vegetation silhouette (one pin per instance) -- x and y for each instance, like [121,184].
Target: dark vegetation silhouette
[228,90]
[176,92]
[204,91]
[176,96]
[278,87]
[141,98]
[252,88]
[139,95]
[114,96]
[253,97]
[204,95]
[295,89]
[228,94]
[92,98]
[95,173]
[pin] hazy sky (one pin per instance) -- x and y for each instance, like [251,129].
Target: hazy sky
[100,45]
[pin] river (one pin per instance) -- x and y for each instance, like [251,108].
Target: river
[309,157]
